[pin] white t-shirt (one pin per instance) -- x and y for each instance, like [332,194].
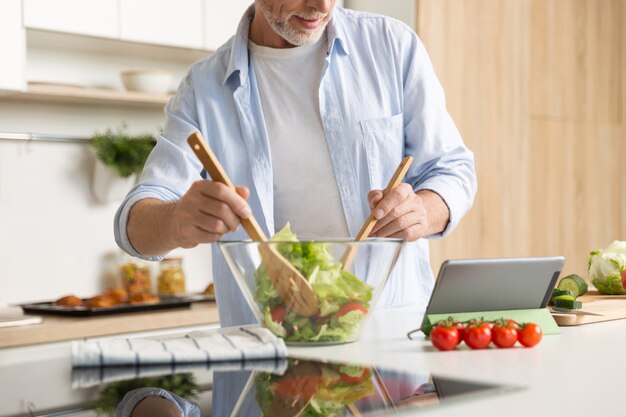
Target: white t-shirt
[305,188]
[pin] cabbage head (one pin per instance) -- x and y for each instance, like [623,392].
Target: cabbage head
[606,267]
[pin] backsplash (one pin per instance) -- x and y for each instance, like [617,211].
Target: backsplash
[55,239]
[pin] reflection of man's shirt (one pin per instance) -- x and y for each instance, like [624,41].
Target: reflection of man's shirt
[379,100]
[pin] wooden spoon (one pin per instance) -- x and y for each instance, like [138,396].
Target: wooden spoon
[291,286]
[348,255]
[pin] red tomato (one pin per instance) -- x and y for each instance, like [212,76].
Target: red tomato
[478,336]
[512,323]
[303,386]
[278,314]
[504,335]
[444,337]
[624,278]
[355,379]
[530,334]
[351,306]
[460,327]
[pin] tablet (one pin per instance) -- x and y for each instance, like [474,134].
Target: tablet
[476,285]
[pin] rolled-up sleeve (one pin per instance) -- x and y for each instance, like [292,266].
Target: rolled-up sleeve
[171,167]
[442,162]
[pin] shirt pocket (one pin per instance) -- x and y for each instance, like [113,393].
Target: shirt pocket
[383,139]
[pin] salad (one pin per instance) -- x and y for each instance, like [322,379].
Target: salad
[312,389]
[344,300]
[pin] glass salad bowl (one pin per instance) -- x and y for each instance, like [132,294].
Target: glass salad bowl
[345,291]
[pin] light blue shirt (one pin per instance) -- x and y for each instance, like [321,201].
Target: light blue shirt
[379,101]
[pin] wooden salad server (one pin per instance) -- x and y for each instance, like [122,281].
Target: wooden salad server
[292,287]
[349,254]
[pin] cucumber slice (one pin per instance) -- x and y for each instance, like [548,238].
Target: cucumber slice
[565,303]
[573,283]
[564,297]
[556,292]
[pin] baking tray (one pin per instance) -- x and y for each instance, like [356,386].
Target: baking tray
[48,307]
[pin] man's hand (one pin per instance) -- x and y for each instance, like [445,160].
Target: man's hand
[207,211]
[407,215]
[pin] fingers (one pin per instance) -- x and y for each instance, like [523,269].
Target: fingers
[395,197]
[218,191]
[209,210]
[401,214]
[374,197]
[410,227]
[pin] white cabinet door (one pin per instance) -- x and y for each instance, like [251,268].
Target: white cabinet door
[165,22]
[88,17]
[12,46]
[221,19]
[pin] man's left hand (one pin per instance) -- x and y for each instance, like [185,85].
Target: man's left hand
[405,214]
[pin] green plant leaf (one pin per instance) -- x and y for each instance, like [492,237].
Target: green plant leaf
[123,152]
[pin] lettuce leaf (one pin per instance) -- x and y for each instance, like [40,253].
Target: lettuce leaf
[333,287]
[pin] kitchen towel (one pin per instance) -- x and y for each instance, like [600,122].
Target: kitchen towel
[86,377]
[219,345]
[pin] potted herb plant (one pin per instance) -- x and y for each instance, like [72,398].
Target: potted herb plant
[120,156]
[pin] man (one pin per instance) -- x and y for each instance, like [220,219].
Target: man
[309,108]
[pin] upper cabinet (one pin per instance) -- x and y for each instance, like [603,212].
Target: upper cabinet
[86,17]
[221,21]
[166,22]
[193,24]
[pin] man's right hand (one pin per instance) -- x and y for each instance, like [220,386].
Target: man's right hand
[204,214]
[207,211]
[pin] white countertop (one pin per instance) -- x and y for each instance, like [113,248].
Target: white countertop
[576,373]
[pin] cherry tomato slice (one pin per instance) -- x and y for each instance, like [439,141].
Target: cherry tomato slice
[348,307]
[278,314]
[355,379]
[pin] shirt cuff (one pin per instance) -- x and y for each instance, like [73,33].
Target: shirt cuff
[121,218]
[450,192]
[132,398]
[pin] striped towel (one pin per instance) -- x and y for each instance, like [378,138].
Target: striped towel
[218,345]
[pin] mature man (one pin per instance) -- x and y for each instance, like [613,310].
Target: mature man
[309,108]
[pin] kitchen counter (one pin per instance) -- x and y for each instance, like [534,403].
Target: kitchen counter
[58,328]
[576,373]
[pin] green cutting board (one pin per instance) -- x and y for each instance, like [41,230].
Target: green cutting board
[540,316]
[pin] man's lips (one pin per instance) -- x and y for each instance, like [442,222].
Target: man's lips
[309,23]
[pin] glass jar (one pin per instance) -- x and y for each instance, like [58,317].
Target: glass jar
[135,275]
[171,279]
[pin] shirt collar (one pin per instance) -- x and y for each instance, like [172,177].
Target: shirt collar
[239,59]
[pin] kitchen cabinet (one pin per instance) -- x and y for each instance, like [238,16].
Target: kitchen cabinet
[12,46]
[86,17]
[170,22]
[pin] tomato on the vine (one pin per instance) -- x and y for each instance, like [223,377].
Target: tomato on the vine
[444,336]
[478,335]
[504,335]
[460,327]
[530,334]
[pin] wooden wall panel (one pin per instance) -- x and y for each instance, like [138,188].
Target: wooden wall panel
[575,55]
[479,59]
[537,90]
[577,184]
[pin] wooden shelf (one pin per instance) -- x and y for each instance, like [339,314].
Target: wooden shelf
[50,93]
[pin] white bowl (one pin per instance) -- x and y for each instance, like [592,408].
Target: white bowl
[148,81]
